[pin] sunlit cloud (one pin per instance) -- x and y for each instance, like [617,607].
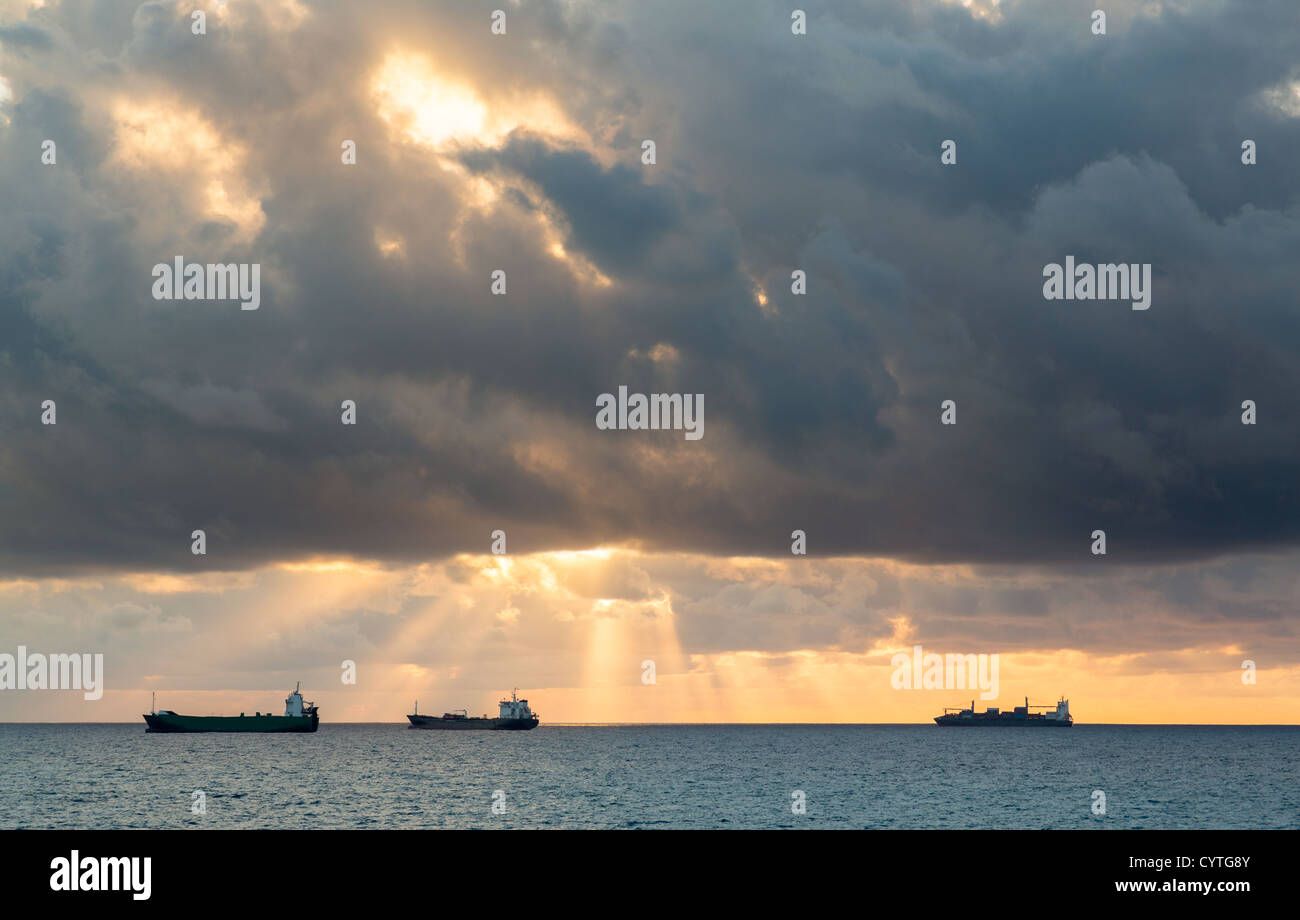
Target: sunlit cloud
[445,114]
[581,268]
[203,583]
[1283,98]
[431,110]
[441,112]
[390,245]
[346,566]
[662,353]
[989,10]
[167,139]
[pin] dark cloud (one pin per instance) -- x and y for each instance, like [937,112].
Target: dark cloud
[25,37]
[611,214]
[775,153]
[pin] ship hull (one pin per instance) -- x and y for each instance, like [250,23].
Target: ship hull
[437,723]
[952,721]
[172,723]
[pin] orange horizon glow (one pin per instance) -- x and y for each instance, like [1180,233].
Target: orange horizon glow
[596,616]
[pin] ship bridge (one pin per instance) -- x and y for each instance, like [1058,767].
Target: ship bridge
[515,708]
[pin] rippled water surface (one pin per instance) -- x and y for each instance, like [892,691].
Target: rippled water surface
[658,776]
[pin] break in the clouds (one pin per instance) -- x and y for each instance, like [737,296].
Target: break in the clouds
[477,153]
[742,638]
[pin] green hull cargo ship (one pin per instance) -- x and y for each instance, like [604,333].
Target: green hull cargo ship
[298,717]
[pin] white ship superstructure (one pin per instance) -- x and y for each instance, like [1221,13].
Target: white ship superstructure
[515,708]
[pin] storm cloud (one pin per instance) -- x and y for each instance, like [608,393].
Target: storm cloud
[776,152]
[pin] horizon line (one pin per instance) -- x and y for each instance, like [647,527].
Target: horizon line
[770,724]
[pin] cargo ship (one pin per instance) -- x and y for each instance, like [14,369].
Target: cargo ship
[298,717]
[1018,717]
[514,716]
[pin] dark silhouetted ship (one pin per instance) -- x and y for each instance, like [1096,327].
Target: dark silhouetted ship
[514,716]
[1017,718]
[298,717]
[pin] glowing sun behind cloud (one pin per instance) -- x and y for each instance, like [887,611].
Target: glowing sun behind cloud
[431,110]
[440,112]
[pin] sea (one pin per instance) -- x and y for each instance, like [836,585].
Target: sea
[80,776]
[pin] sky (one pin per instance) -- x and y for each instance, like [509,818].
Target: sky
[775,152]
